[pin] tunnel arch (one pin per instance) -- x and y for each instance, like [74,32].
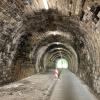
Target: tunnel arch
[43,23]
[42,59]
[59,53]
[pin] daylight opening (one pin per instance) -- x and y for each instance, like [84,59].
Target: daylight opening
[62,63]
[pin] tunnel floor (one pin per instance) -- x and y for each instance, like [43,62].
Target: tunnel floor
[47,87]
[69,87]
[36,87]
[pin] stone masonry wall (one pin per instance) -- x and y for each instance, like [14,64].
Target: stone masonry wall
[10,21]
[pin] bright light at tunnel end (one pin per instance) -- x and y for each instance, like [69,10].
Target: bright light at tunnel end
[62,63]
[46,4]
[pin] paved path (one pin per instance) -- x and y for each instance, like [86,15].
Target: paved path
[69,87]
[36,87]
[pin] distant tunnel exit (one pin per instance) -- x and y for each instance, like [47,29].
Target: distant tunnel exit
[62,63]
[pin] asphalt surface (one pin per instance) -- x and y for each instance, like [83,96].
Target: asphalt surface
[69,87]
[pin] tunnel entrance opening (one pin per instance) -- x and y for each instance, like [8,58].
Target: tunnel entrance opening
[62,63]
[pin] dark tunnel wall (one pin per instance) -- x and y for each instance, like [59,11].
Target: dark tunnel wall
[22,36]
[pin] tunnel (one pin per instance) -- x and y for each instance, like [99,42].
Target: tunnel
[56,51]
[37,35]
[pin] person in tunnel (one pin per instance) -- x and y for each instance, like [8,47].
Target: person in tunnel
[57,73]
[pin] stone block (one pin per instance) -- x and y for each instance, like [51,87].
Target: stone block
[98,14]
[98,26]
[88,15]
